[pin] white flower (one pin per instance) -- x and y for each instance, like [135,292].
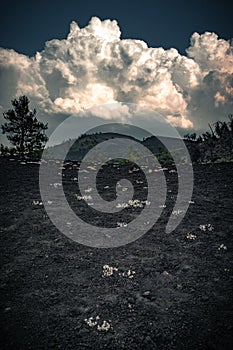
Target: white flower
[135,203]
[104,327]
[89,189]
[85,197]
[146,222]
[222,247]
[124,189]
[121,224]
[210,227]
[57,184]
[177,212]
[91,167]
[90,322]
[130,273]
[133,170]
[207,227]
[191,236]
[35,202]
[108,270]
[122,205]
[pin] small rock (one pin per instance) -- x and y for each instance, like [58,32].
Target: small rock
[165,273]
[186,267]
[146,293]
[7,309]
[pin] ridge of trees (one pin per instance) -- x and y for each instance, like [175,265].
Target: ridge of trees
[27,136]
[220,129]
[213,145]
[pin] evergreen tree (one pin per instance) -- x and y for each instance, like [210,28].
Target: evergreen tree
[193,136]
[22,128]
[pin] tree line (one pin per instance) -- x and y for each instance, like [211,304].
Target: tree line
[217,131]
[217,142]
[27,135]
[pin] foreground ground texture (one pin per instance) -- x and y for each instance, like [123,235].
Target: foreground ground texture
[163,291]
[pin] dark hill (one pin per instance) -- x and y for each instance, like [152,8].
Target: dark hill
[218,150]
[80,147]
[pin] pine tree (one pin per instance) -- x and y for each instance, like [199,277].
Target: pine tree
[22,128]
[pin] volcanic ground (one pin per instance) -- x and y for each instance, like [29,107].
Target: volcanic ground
[162,291]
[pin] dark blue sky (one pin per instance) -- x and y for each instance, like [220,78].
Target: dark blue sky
[26,25]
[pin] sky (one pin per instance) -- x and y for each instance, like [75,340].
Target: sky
[174,57]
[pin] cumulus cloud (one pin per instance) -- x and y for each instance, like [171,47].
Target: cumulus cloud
[93,66]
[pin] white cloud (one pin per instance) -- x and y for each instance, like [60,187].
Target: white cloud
[211,53]
[95,66]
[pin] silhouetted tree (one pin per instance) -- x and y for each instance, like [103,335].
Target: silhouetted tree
[230,116]
[199,139]
[209,140]
[190,136]
[218,131]
[193,136]
[187,137]
[6,151]
[22,128]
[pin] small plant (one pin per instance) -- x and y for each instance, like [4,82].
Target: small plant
[165,158]
[92,322]
[104,327]
[207,227]
[191,236]
[222,247]
[108,270]
[121,224]
[36,203]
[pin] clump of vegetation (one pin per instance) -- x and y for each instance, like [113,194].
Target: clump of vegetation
[25,133]
[213,145]
[165,158]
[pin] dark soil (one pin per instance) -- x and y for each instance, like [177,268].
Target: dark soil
[180,296]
